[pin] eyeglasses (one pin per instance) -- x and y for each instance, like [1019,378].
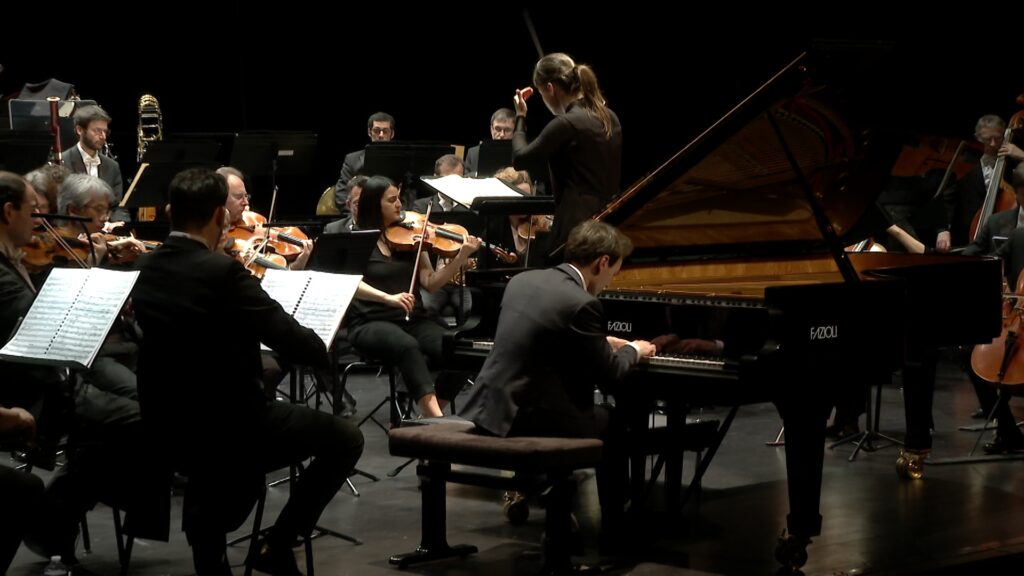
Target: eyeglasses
[501,129]
[376,130]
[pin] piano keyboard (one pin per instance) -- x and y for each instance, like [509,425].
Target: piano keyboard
[669,360]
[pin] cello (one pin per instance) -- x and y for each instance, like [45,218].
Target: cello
[999,194]
[1001,361]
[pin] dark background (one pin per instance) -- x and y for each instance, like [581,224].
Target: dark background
[441,71]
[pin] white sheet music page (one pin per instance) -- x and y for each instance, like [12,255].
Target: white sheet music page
[317,300]
[70,317]
[465,190]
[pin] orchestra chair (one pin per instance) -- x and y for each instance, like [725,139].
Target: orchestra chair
[325,205]
[439,443]
[257,530]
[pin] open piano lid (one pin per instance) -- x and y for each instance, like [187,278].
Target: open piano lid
[734,190]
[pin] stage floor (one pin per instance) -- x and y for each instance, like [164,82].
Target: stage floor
[964,518]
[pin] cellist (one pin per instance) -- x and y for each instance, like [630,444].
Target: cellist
[1000,225]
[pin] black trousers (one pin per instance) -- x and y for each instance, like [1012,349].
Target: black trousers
[224,480]
[20,496]
[603,423]
[409,346]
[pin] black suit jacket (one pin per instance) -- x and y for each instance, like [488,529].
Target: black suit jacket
[28,385]
[352,166]
[1000,224]
[472,160]
[109,171]
[203,317]
[584,165]
[550,350]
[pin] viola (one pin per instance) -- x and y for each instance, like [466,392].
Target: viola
[445,240]
[253,259]
[287,241]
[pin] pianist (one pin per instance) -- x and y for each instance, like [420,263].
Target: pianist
[551,350]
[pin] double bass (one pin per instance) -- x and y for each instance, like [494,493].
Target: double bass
[999,194]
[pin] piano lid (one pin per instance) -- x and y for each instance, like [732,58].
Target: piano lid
[734,189]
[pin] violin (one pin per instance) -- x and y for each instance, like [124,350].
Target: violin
[445,240]
[46,250]
[528,228]
[286,241]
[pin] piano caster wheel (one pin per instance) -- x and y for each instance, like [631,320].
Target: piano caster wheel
[516,509]
[791,552]
[910,465]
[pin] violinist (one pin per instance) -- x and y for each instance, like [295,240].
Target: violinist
[91,197]
[965,198]
[352,190]
[378,323]
[104,427]
[521,230]
[450,299]
[238,206]
[198,308]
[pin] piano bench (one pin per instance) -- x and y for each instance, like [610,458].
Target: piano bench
[439,445]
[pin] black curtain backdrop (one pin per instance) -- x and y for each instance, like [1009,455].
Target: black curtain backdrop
[441,71]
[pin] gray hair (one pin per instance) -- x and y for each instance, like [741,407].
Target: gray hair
[989,121]
[79,189]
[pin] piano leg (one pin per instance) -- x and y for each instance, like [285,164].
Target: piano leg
[804,410]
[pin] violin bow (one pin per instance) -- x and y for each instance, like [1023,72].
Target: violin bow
[419,250]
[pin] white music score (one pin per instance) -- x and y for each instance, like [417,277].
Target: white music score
[70,317]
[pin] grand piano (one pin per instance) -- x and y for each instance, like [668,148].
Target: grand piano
[739,239]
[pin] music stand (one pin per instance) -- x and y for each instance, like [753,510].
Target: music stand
[343,252]
[404,163]
[494,155]
[266,156]
[148,189]
[174,151]
[22,151]
[225,140]
[34,116]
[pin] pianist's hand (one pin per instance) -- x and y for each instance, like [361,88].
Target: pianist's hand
[942,242]
[616,343]
[646,348]
[404,300]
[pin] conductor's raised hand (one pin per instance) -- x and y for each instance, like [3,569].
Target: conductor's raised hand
[403,300]
[522,95]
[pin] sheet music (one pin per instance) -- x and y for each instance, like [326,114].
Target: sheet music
[464,190]
[317,300]
[70,317]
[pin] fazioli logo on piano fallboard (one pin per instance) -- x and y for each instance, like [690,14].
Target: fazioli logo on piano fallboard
[830,332]
[618,326]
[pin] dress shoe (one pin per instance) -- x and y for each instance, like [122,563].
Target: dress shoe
[1004,446]
[273,560]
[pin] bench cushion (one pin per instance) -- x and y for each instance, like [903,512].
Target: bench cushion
[459,443]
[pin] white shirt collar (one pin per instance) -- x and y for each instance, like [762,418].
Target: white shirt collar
[583,280]
[86,157]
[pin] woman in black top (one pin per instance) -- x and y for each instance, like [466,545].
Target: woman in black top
[582,145]
[377,319]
